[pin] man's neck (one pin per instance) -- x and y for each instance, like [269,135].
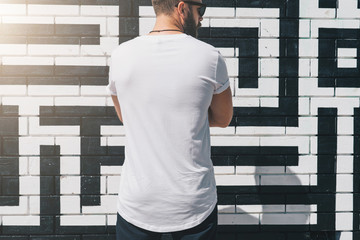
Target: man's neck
[164,22]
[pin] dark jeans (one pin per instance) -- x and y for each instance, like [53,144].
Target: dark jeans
[204,231]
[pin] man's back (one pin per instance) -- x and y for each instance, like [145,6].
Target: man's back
[165,84]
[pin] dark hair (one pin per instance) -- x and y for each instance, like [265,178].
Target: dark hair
[164,6]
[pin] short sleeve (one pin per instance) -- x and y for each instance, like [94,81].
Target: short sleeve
[110,88]
[222,77]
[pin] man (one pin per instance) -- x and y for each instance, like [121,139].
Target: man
[168,88]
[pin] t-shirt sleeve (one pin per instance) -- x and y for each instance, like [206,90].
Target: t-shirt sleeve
[110,88]
[222,77]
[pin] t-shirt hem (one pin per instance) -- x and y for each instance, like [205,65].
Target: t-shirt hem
[223,87]
[174,228]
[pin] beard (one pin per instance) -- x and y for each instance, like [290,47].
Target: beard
[190,27]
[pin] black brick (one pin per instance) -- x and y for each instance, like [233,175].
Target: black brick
[77,29]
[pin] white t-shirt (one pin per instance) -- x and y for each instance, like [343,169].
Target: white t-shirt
[165,84]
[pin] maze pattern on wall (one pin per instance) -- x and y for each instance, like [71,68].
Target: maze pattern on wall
[286,168]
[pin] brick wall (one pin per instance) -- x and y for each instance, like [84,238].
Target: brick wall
[287,167]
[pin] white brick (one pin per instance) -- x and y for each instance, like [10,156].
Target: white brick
[314,67]
[29,185]
[269,27]
[68,145]
[69,204]
[304,28]
[268,102]
[69,165]
[347,52]
[347,63]
[269,67]
[226,208]
[304,67]
[236,219]
[313,218]
[80,61]
[260,130]
[92,90]
[227,52]
[53,49]
[224,169]
[99,10]
[344,221]
[346,235]
[343,92]
[34,204]
[23,166]
[11,90]
[344,164]
[146,25]
[257,12]
[308,47]
[112,26]
[301,208]
[260,169]
[230,22]
[269,48]
[146,11]
[344,183]
[113,183]
[235,141]
[236,180]
[259,208]
[31,145]
[345,125]
[112,130]
[12,49]
[232,65]
[83,220]
[109,170]
[348,9]
[345,144]
[111,219]
[80,101]
[27,19]
[313,180]
[34,166]
[344,202]
[304,106]
[222,131]
[116,141]
[38,9]
[23,126]
[288,179]
[70,185]
[219,12]
[285,218]
[44,61]
[21,221]
[53,90]
[12,9]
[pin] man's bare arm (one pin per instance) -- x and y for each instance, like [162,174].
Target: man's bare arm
[220,111]
[117,107]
